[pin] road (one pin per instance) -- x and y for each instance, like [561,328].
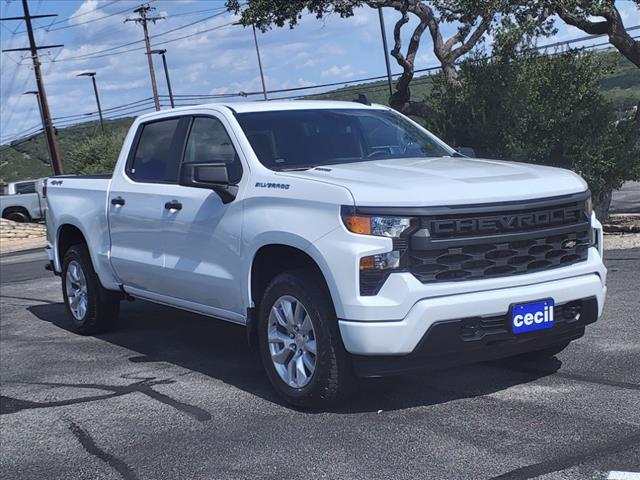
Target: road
[170,395]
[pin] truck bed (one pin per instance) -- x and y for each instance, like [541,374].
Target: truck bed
[80,201]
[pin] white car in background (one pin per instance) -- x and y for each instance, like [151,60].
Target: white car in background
[23,201]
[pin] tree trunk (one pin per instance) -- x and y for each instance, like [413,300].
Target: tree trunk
[601,204]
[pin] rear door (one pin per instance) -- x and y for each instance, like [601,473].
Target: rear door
[136,204]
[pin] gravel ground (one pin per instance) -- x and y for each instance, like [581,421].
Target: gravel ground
[170,395]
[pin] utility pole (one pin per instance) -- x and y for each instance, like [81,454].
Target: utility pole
[143,19]
[386,50]
[52,144]
[95,90]
[166,74]
[255,39]
[37,95]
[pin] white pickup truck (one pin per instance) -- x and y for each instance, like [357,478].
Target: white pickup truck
[23,201]
[345,237]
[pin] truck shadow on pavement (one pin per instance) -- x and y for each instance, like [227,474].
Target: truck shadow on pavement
[219,350]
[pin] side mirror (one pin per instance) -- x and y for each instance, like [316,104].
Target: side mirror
[213,176]
[466,151]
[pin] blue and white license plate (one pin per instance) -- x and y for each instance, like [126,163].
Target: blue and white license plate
[528,317]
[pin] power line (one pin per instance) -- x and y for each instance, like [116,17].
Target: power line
[143,19]
[121,109]
[114,114]
[49,29]
[101,7]
[25,131]
[118,107]
[33,48]
[13,145]
[101,53]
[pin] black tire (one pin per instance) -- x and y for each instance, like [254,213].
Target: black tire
[332,377]
[544,353]
[103,306]
[21,216]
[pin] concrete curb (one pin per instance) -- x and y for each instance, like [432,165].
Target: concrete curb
[22,252]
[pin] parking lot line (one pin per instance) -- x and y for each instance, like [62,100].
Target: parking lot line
[614,475]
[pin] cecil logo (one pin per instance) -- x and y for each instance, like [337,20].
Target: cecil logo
[528,317]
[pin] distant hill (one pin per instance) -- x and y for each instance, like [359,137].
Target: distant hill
[30,159]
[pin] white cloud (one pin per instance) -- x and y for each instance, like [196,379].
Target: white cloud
[345,71]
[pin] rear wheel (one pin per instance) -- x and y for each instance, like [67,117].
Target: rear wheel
[299,340]
[544,353]
[91,308]
[18,215]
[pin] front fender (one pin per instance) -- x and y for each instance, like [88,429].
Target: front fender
[294,241]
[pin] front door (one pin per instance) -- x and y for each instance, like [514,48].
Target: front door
[202,234]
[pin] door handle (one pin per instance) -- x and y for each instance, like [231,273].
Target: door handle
[173,205]
[118,201]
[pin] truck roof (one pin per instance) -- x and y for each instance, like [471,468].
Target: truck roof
[269,106]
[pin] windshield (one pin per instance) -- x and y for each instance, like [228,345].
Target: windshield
[295,139]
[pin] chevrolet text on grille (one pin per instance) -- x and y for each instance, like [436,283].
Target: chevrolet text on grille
[506,222]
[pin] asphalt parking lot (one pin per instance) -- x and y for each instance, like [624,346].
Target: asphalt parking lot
[170,395]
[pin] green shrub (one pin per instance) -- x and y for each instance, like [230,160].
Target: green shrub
[541,109]
[96,155]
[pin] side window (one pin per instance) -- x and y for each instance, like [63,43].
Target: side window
[26,187]
[156,159]
[209,142]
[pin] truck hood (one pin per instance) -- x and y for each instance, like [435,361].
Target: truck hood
[445,181]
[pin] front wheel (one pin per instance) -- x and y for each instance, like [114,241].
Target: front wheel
[299,340]
[91,308]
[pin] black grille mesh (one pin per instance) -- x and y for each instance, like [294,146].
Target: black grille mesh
[495,259]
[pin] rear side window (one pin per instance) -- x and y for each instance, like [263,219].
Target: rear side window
[27,187]
[157,157]
[209,142]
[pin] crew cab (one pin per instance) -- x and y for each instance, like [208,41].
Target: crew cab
[344,236]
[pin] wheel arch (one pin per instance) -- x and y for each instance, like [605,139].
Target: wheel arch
[271,259]
[16,209]
[68,235]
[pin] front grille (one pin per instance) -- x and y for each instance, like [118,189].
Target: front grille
[496,258]
[449,244]
[495,241]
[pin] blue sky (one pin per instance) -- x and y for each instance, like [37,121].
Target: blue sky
[218,58]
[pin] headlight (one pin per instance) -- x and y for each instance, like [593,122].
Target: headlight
[381,226]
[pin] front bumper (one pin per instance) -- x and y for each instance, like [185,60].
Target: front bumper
[402,337]
[458,342]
